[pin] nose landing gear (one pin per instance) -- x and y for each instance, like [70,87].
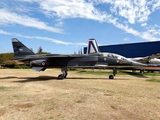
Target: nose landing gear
[64,73]
[114,73]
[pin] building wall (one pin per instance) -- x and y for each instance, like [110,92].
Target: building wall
[133,49]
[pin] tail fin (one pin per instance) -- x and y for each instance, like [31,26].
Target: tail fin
[20,50]
[92,46]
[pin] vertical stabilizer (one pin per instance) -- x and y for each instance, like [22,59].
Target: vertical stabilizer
[20,50]
[92,47]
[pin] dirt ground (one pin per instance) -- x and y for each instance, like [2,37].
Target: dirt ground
[30,95]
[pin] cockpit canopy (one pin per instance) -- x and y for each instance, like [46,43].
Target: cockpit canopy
[113,55]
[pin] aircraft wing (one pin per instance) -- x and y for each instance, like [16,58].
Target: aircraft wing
[148,58]
[49,56]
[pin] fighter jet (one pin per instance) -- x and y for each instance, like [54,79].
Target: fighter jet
[94,59]
[153,59]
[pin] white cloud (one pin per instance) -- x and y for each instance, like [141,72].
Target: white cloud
[71,9]
[42,38]
[136,11]
[144,24]
[156,5]
[4,32]
[154,30]
[148,36]
[125,14]
[133,11]
[144,35]
[13,18]
[59,23]
[126,39]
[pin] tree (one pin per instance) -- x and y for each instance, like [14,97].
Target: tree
[40,50]
[5,57]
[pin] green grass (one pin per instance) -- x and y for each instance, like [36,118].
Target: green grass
[98,72]
[153,79]
[152,74]
[94,72]
[2,88]
[104,72]
[108,72]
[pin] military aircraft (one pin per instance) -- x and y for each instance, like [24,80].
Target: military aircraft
[153,59]
[94,59]
[151,63]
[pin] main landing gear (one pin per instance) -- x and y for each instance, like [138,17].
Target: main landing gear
[142,71]
[114,73]
[64,73]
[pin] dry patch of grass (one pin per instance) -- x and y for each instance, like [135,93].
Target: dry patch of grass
[2,111]
[34,95]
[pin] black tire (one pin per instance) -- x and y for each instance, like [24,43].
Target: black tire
[60,77]
[111,77]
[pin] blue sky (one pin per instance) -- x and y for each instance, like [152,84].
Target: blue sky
[64,26]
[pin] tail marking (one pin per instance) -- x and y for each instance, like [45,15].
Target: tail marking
[92,46]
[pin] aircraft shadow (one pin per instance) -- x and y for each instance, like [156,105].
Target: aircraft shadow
[34,79]
[105,78]
[47,78]
[135,74]
[8,77]
[28,79]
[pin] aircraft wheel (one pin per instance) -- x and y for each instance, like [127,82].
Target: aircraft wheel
[60,77]
[111,77]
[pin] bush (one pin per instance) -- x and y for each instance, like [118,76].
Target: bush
[21,67]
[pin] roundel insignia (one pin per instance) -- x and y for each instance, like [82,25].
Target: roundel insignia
[43,63]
